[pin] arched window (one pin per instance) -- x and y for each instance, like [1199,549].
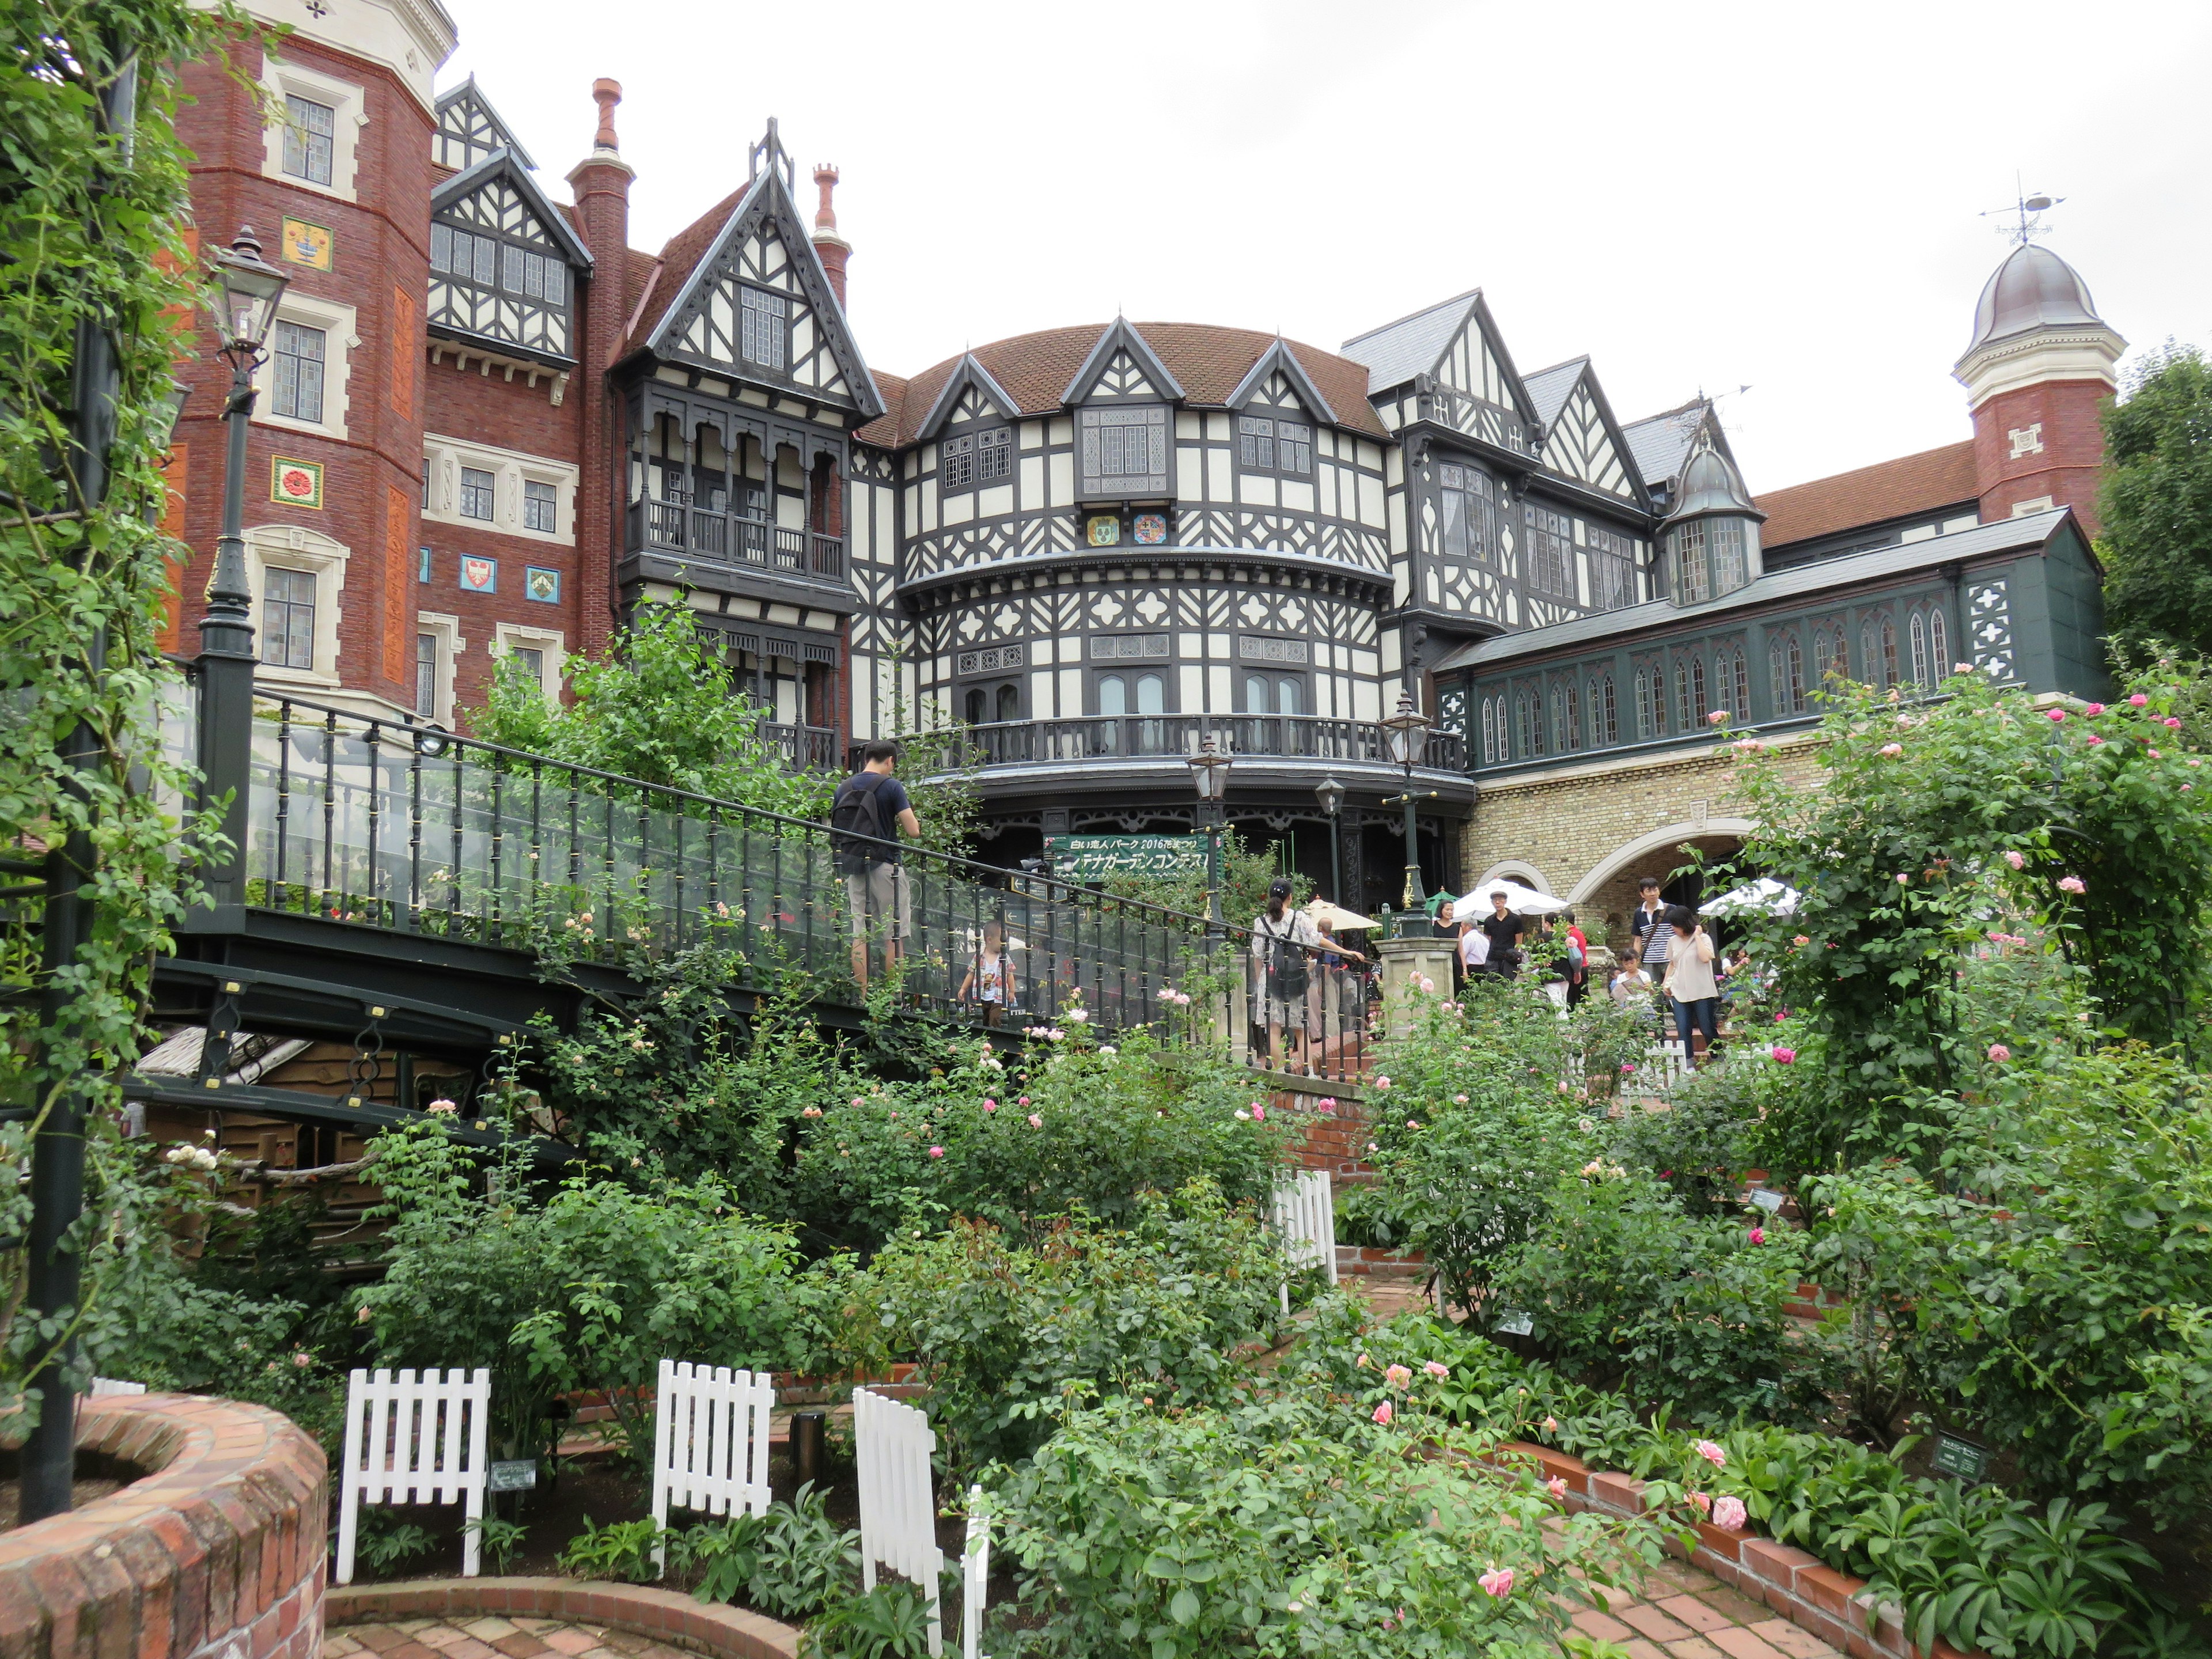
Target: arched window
[1698,708]
[1151,695]
[1870,651]
[1574,728]
[1684,717]
[1919,629]
[1838,665]
[1735,675]
[1009,702]
[1693,583]
[1642,704]
[1658,701]
[1938,644]
[1820,649]
[1603,711]
[1785,666]
[1888,652]
[976,715]
[1526,744]
[1489,734]
[1113,694]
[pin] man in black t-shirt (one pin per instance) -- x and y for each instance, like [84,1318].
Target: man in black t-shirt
[1504,930]
[873,804]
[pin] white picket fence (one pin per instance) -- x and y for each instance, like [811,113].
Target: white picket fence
[975,1575]
[709,1442]
[898,1513]
[410,1441]
[1305,1217]
[1664,1063]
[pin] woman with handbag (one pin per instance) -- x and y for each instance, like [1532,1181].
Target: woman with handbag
[1690,983]
[1285,951]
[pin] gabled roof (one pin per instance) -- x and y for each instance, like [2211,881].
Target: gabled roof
[1659,445]
[2035,532]
[1550,388]
[882,431]
[688,256]
[1277,359]
[505,163]
[1933,479]
[1120,336]
[969,372]
[1396,352]
[470,93]
[1209,363]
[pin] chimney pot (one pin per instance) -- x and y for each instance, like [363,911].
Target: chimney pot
[606,94]
[833,249]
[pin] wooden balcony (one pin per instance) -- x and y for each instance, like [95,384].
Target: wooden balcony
[1094,740]
[733,541]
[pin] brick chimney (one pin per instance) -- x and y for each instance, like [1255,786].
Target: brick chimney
[834,249]
[601,186]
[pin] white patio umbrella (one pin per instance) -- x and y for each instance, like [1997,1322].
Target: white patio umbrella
[1520,900]
[1766,895]
[1343,920]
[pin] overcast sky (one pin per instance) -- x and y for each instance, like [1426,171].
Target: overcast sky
[1696,196]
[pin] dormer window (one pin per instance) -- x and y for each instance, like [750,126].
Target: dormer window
[1268,443]
[763,327]
[497,271]
[1712,537]
[1124,450]
[973,458]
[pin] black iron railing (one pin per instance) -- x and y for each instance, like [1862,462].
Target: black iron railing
[1142,737]
[733,539]
[367,822]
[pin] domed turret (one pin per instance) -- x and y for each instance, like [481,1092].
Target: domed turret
[2036,373]
[1712,534]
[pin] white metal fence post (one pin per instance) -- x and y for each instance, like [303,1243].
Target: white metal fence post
[975,1575]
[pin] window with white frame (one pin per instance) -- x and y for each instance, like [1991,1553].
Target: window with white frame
[298,577]
[437,646]
[537,650]
[287,617]
[763,327]
[541,507]
[426,676]
[478,493]
[310,129]
[298,351]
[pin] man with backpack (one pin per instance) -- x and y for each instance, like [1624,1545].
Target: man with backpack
[867,815]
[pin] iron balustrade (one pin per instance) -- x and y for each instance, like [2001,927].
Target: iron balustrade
[1091,737]
[377,823]
[804,748]
[733,539]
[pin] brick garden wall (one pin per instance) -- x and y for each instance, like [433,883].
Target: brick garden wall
[217,1553]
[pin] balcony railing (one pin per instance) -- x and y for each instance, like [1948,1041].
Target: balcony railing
[805,747]
[735,540]
[1095,738]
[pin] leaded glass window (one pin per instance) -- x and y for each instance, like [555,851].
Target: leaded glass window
[297,358]
[287,617]
[309,130]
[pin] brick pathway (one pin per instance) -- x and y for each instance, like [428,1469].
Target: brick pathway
[1680,1612]
[489,1638]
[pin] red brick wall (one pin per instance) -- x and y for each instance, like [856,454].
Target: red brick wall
[382,267]
[2073,451]
[217,1553]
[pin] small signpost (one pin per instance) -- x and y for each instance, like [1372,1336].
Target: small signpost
[1087,859]
[1960,1459]
[1768,1200]
[513,1474]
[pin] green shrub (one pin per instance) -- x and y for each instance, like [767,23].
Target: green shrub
[1109,1127]
[621,1550]
[1294,1524]
[1626,1287]
[1473,1120]
[790,1563]
[1002,1330]
[891,1621]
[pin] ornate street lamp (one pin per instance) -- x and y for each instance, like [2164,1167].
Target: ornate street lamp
[244,309]
[1409,729]
[1209,771]
[1330,793]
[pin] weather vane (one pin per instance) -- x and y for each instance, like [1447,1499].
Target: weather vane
[2027,211]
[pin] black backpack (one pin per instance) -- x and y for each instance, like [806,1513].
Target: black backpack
[1286,964]
[857,809]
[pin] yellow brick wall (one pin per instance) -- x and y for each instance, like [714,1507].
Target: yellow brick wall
[1571,821]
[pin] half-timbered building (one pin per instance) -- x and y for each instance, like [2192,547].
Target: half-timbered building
[491,429]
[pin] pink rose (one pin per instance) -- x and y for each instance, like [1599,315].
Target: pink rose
[1381,1082]
[1383,1414]
[1551,1426]
[1757,1235]
[2174,722]
[1782,1056]
[857,1101]
[1497,1583]
[1557,1485]
[989,1104]
[1327,1104]
[2154,754]
[2072,884]
[1397,1376]
[1730,1513]
[1711,1453]
[937,1151]
[2094,741]
[2015,859]
[1036,1123]
[2138,700]
[1718,717]
[1962,668]
[1412,1123]
[1259,1112]
[1024,1101]
[1702,1501]
[2055,715]
[1999,1054]
[1437,1369]
[2094,709]
[1892,749]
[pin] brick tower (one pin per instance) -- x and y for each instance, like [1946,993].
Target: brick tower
[2039,370]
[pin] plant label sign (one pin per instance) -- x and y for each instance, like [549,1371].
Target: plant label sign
[1960,1459]
[513,1475]
[1517,1324]
[1766,1200]
[1100,858]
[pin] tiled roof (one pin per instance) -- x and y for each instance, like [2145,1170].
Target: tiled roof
[1396,352]
[1659,444]
[1035,370]
[1815,576]
[883,431]
[1910,484]
[1549,388]
[680,256]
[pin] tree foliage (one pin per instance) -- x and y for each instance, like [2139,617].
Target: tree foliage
[91,211]
[2156,502]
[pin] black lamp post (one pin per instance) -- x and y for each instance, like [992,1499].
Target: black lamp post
[1407,728]
[244,309]
[1209,770]
[1330,792]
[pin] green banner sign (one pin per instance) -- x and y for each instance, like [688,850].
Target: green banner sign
[1100,858]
